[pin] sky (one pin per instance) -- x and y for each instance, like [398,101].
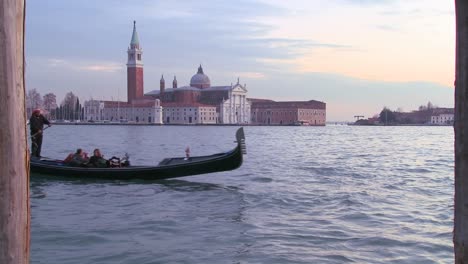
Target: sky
[357,56]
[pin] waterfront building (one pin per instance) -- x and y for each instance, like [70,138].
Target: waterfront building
[190,113]
[269,112]
[429,116]
[93,110]
[230,101]
[442,119]
[112,111]
[141,112]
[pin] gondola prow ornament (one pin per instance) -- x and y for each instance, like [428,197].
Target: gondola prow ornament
[187,153]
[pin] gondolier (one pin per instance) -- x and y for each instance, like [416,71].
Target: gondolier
[36,125]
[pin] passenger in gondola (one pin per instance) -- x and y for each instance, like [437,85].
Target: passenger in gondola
[78,159]
[98,160]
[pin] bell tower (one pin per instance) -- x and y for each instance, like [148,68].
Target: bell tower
[134,68]
[174,83]
[162,84]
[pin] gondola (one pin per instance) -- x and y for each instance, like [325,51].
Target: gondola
[167,168]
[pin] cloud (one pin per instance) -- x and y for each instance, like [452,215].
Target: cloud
[56,62]
[252,75]
[107,67]
[169,31]
[367,2]
[386,27]
[75,65]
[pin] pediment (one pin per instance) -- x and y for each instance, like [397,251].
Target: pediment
[239,88]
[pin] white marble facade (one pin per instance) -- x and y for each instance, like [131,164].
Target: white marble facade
[235,109]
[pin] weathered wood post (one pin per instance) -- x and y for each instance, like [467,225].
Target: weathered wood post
[460,232]
[14,160]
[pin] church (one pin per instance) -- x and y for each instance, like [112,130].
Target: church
[197,103]
[228,104]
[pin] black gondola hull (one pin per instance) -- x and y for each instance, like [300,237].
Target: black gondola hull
[168,168]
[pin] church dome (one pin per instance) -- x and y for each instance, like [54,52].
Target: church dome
[200,80]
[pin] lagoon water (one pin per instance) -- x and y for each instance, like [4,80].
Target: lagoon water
[334,194]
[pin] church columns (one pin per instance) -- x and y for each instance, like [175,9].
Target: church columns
[231,99]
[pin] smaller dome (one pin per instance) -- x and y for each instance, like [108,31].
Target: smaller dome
[200,80]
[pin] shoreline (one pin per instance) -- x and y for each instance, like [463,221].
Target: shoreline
[271,125]
[382,125]
[152,124]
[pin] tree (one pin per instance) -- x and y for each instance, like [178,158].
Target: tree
[77,110]
[59,112]
[387,116]
[429,106]
[69,105]
[33,101]
[50,103]
[460,231]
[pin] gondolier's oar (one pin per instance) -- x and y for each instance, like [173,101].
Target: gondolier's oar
[37,133]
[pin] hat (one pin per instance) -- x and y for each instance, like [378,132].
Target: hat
[36,111]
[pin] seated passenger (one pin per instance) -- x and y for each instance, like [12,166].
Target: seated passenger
[80,158]
[98,160]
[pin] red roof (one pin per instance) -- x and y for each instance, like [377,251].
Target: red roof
[288,104]
[177,104]
[127,105]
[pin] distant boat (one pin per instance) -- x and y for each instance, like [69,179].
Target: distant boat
[167,168]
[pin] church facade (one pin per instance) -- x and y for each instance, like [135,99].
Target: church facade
[230,101]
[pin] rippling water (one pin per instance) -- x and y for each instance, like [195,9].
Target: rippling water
[335,194]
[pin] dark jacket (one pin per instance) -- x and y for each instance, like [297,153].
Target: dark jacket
[78,160]
[98,162]
[36,123]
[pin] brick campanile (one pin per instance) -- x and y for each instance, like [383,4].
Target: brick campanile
[134,68]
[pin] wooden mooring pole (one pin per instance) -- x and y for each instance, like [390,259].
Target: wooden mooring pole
[14,159]
[460,232]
